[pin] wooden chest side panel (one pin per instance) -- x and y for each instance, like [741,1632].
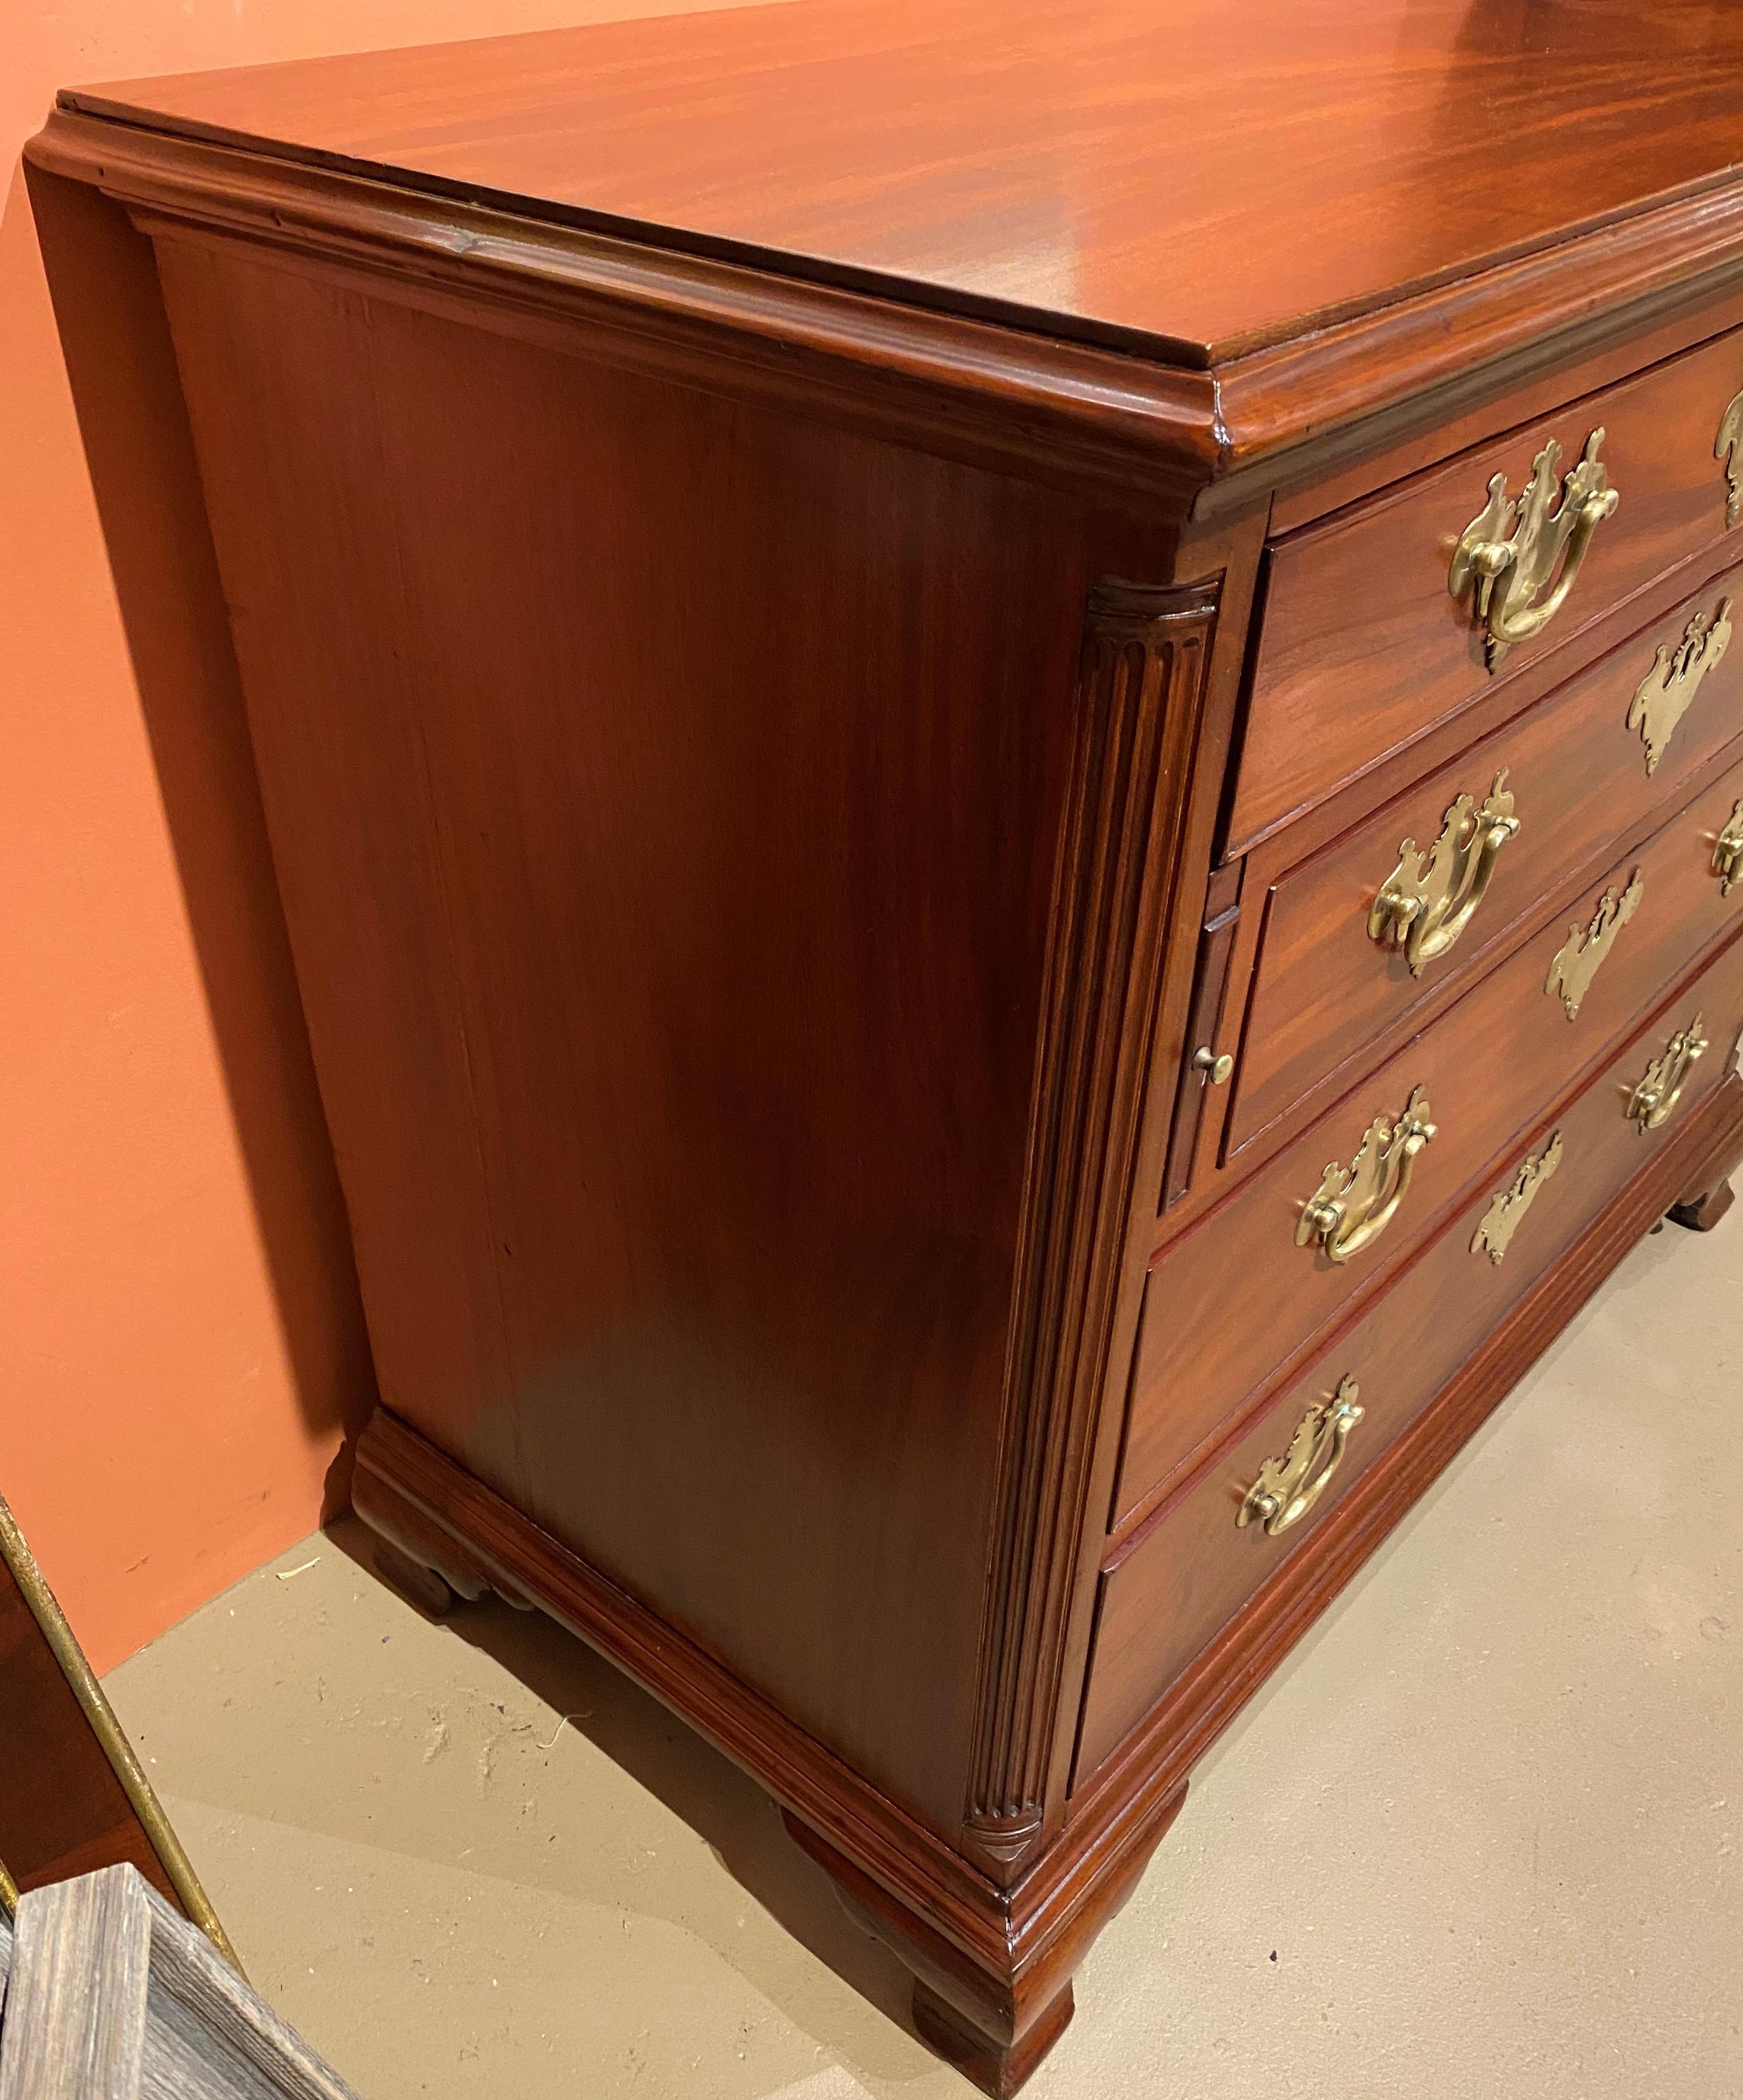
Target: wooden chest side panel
[665,795]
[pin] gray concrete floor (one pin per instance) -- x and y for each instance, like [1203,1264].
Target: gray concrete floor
[1479,1836]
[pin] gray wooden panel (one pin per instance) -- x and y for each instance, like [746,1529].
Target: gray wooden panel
[112,1996]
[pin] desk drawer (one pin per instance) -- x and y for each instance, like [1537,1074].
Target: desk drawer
[1364,647]
[1583,768]
[1231,1300]
[1185,1577]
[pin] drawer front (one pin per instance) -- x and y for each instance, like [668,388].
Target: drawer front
[1182,1581]
[1229,1302]
[1584,767]
[1364,647]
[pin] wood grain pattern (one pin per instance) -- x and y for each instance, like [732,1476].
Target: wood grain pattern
[1323,992]
[1234,1299]
[1124,156]
[539,836]
[1176,1582]
[75,2002]
[995,397]
[114,1995]
[1364,648]
[1416,353]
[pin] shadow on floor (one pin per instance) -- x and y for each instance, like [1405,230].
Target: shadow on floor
[738,1822]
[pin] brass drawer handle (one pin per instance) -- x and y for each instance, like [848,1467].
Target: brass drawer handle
[1354,1206]
[1727,852]
[1287,1488]
[1508,554]
[1728,447]
[1664,695]
[1654,1101]
[1427,901]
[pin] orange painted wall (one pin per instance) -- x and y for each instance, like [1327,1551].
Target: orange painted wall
[180,1344]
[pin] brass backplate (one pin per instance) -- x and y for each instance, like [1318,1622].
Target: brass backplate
[1353,1205]
[1728,447]
[1663,696]
[1507,1207]
[1577,959]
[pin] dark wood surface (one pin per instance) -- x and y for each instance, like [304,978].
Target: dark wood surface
[1323,992]
[1098,169]
[1234,1297]
[1364,648]
[1178,1581]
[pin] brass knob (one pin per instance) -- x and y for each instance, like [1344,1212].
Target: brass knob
[1215,1068]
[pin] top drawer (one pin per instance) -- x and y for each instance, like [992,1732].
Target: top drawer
[1364,647]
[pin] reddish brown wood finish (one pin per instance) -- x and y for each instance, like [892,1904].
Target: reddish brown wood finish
[983,1949]
[1142,178]
[1343,156]
[1626,350]
[1325,993]
[589,813]
[1364,648]
[1180,1726]
[1234,1299]
[1176,1583]
[742,537]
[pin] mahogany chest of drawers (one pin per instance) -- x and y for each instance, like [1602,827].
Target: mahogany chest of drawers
[1003,759]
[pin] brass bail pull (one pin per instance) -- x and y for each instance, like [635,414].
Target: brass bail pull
[1727,852]
[1518,558]
[1428,900]
[1353,1206]
[1653,1101]
[1287,1488]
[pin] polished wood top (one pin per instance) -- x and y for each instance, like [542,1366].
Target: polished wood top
[1196,179]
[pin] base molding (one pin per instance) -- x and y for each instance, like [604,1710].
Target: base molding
[993,1964]
[996,2024]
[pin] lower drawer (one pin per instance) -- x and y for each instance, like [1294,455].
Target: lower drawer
[1246,1290]
[1187,1572]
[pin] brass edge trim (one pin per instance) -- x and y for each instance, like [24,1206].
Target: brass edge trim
[82,1682]
[8,1892]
